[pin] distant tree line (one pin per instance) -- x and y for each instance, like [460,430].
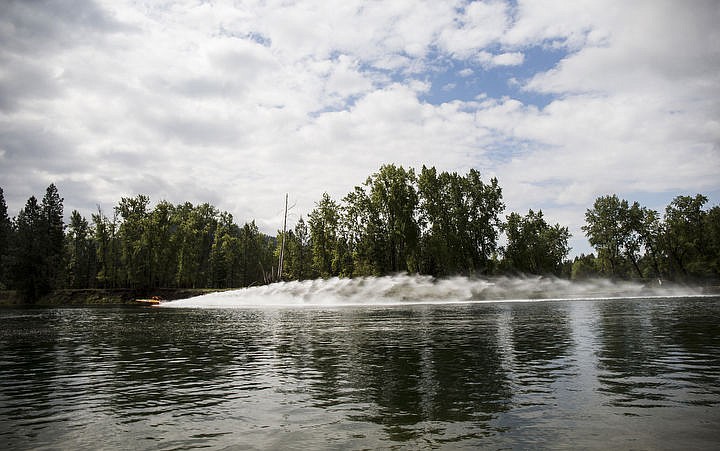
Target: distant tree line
[136,247]
[633,241]
[436,223]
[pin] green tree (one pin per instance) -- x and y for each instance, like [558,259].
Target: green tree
[711,231]
[219,277]
[634,222]
[53,236]
[394,201]
[225,253]
[609,228]
[135,250]
[6,239]
[684,238]
[460,217]
[485,206]
[298,252]
[29,270]
[584,267]
[194,238]
[534,246]
[323,224]
[651,233]
[631,238]
[80,252]
[107,249]
[379,228]
[256,255]
[439,234]
[157,235]
[302,253]
[363,243]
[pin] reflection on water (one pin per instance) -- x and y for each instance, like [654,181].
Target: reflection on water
[659,354]
[641,373]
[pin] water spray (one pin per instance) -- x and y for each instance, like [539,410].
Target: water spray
[403,289]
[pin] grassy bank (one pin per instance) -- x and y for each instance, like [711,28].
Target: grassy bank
[117,296]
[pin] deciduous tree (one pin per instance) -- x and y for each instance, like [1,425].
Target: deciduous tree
[684,236]
[534,246]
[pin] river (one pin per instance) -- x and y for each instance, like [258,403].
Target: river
[620,373]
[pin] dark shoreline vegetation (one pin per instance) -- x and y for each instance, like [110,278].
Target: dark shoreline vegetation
[397,221]
[85,297]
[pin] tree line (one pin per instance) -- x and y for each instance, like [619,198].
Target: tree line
[633,241]
[436,223]
[430,222]
[183,246]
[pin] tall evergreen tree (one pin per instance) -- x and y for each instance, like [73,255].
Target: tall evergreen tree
[6,233]
[107,249]
[298,252]
[324,221]
[302,262]
[53,236]
[29,269]
[256,255]
[80,253]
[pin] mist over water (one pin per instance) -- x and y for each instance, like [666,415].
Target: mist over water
[415,289]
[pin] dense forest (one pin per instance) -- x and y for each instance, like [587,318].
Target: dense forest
[435,223]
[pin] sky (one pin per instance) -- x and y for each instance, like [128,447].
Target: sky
[236,103]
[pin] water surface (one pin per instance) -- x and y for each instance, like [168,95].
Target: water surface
[595,374]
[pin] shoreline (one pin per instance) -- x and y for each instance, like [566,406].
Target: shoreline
[83,297]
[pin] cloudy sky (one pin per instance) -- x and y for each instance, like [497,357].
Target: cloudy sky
[237,103]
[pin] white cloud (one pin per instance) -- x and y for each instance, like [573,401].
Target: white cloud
[633,111]
[480,24]
[502,59]
[346,80]
[236,104]
[466,72]
[559,23]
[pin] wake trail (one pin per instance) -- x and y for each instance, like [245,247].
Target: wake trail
[414,289]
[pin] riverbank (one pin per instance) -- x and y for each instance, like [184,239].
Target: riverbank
[88,297]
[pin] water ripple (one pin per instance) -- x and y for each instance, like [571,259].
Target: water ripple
[474,376]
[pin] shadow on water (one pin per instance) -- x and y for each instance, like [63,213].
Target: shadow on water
[658,353]
[407,370]
[541,333]
[28,353]
[541,339]
[164,361]
[68,370]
